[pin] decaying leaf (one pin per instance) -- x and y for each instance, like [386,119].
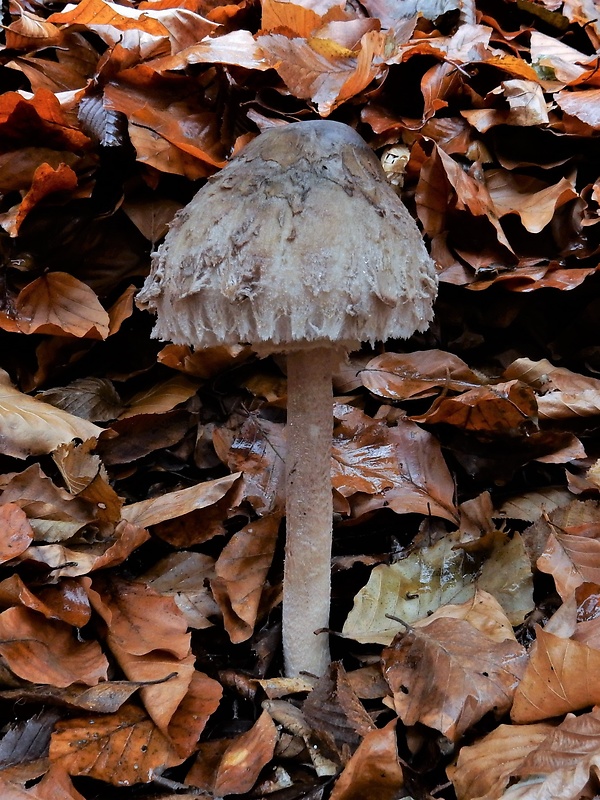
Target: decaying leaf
[121,749]
[31,427]
[448,675]
[560,677]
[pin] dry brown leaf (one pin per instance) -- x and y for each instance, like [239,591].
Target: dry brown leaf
[166,680]
[325,73]
[534,202]
[502,408]
[568,405]
[31,427]
[61,304]
[178,503]
[161,397]
[198,705]
[240,575]
[402,376]
[139,619]
[364,458]
[566,756]
[561,676]
[581,104]
[94,399]
[66,601]
[258,450]
[236,47]
[244,758]
[30,30]
[336,715]
[442,184]
[480,774]
[571,559]
[53,513]
[204,363]
[482,611]
[46,651]
[16,534]
[544,377]
[185,576]
[448,675]
[46,181]
[373,770]
[530,506]
[424,484]
[55,784]
[121,749]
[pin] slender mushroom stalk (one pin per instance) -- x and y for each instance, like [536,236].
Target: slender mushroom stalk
[309,511]
[298,246]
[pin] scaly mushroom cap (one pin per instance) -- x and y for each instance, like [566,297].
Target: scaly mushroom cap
[299,241]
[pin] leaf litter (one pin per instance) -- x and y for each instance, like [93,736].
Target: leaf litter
[141,489]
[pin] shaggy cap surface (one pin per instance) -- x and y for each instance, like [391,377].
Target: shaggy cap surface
[299,241]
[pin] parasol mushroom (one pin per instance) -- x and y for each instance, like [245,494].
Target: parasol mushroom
[298,246]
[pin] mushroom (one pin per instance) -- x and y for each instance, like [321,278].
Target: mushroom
[297,246]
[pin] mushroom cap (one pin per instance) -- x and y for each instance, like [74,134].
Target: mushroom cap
[298,242]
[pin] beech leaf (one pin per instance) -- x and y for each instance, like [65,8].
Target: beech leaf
[448,675]
[30,427]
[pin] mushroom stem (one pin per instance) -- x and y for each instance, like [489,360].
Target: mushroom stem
[309,510]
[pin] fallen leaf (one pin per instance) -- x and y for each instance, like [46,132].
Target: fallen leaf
[423,662]
[238,761]
[560,677]
[185,576]
[59,303]
[46,651]
[240,575]
[176,504]
[373,768]
[479,772]
[16,534]
[403,376]
[31,427]
[121,749]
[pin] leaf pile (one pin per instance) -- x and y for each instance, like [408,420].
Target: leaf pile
[141,494]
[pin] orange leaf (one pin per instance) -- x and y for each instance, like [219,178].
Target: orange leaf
[121,749]
[46,181]
[502,408]
[58,303]
[241,572]
[241,761]
[374,770]
[46,651]
[562,675]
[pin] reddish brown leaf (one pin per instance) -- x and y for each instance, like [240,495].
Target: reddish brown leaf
[241,761]
[120,749]
[46,181]
[241,571]
[447,675]
[561,676]
[139,619]
[200,702]
[374,770]
[46,651]
[400,376]
[479,772]
[59,303]
[502,408]
[571,559]
[66,601]
[16,533]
